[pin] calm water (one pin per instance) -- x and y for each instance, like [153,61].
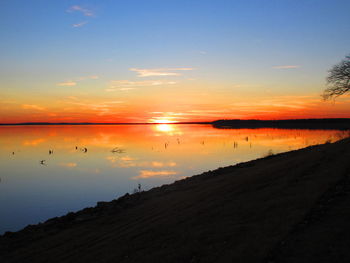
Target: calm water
[95,163]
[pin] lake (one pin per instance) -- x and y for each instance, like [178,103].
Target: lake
[47,171]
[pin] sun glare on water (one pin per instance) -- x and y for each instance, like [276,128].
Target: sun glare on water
[164,127]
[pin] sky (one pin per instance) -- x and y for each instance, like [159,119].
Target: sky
[169,61]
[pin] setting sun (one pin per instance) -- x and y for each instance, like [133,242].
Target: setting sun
[161,120]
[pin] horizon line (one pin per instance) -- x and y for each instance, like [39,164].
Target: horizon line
[105,123]
[158,123]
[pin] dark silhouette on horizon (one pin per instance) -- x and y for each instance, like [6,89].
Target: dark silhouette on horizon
[321,124]
[309,124]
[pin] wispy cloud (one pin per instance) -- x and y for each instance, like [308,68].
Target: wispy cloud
[84,11]
[286,67]
[278,104]
[80,24]
[32,107]
[126,89]
[88,77]
[71,83]
[67,84]
[126,85]
[96,105]
[159,71]
[102,108]
[120,89]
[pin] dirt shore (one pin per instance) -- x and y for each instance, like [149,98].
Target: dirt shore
[290,207]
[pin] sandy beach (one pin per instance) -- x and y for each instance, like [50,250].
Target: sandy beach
[289,207]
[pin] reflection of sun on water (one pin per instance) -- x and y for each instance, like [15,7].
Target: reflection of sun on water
[164,128]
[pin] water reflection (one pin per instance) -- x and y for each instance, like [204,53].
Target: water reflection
[167,128]
[47,171]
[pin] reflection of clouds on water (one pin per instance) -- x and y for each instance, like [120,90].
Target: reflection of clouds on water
[34,142]
[100,174]
[69,165]
[160,164]
[79,170]
[128,161]
[112,159]
[144,174]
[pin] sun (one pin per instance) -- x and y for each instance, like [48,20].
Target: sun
[161,120]
[165,121]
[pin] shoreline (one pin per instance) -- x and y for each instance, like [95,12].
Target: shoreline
[225,213]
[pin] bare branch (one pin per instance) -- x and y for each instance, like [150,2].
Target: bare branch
[338,80]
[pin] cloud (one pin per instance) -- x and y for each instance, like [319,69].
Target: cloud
[112,89]
[102,108]
[80,24]
[89,77]
[278,104]
[67,84]
[153,174]
[286,67]
[77,8]
[126,85]
[96,105]
[32,107]
[125,89]
[159,71]
[74,83]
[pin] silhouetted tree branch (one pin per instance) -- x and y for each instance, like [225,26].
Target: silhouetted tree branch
[338,80]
